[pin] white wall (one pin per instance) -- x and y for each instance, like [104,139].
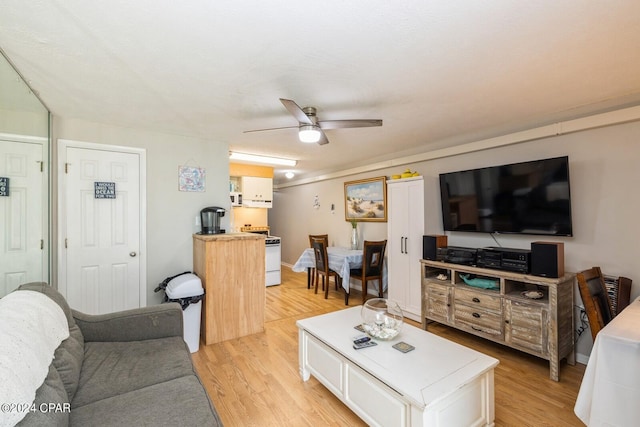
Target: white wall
[604,168]
[25,123]
[171,213]
[295,217]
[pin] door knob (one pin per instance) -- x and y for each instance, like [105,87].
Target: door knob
[132,254]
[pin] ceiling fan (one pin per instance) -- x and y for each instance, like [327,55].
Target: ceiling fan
[310,129]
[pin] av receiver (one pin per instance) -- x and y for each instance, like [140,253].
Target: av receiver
[460,255]
[518,260]
[489,258]
[441,254]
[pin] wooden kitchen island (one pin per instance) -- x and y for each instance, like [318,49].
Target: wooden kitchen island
[232,269]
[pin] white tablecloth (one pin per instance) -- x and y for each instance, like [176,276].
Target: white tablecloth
[610,390]
[341,260]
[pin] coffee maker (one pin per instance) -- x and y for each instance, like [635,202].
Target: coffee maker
[210,220]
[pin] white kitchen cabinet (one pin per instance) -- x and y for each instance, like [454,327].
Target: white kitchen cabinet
[257,192]
[405,199]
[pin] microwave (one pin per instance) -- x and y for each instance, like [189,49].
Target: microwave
[236,198]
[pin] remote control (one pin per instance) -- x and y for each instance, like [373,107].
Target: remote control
[364,344]
[361,340]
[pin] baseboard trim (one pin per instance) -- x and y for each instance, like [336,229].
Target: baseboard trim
[582,358]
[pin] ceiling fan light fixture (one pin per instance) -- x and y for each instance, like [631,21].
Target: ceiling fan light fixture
[309,133]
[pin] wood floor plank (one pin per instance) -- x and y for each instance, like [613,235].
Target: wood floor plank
[254,380]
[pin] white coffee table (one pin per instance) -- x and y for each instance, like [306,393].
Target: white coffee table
[440,383]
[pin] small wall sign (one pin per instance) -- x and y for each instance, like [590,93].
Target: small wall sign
[191,178]
[4,186]
[104,190]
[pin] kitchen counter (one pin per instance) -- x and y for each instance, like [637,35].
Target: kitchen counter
[229,236]
[232,269]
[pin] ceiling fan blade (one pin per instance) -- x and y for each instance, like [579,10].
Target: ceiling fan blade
[342,124]
[296,111]
[262,130]
[323,138]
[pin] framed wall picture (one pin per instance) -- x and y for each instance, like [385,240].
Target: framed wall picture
[366,200]
[191,178]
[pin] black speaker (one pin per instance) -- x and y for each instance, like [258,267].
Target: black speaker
[430,245]
[547,259]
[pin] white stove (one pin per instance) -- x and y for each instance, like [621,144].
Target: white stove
[273,260]
[272,240]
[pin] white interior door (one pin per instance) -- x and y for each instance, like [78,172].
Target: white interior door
[23,255]
[102,259]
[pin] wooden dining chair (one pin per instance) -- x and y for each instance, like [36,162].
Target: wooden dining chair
[322,266]
[372,264]
[595,298]
[311,271]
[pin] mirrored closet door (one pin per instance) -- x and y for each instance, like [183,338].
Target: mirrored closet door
[24,183]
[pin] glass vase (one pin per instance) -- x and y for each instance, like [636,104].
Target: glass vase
[354,238]
[381,318]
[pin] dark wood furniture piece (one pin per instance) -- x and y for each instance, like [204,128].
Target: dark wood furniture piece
[372,263]
[595,297]
[311,272]
[322,266]
[622,289]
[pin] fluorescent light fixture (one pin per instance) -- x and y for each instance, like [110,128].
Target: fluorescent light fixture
[309,133]
[261,159]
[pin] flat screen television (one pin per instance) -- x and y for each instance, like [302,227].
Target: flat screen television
[528,198]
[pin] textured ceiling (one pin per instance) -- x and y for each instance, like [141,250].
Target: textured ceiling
[438,73]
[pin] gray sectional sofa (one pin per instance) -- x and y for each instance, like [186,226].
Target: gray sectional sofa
[126,368]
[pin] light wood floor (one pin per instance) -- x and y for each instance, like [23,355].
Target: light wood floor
[254,380]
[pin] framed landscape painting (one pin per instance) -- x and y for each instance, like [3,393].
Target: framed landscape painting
[366,200]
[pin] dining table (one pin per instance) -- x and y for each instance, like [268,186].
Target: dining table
[610,390]
[341,260]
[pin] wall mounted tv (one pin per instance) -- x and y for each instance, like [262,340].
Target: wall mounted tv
[528,198]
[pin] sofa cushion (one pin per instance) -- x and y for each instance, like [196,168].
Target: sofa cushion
[51,392]
[179,402]
[113,368]
[68,360]
[70,354]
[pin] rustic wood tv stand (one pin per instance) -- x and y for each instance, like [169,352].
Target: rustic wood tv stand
[543,327]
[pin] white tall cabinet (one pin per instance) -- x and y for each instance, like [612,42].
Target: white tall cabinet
[405,198]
